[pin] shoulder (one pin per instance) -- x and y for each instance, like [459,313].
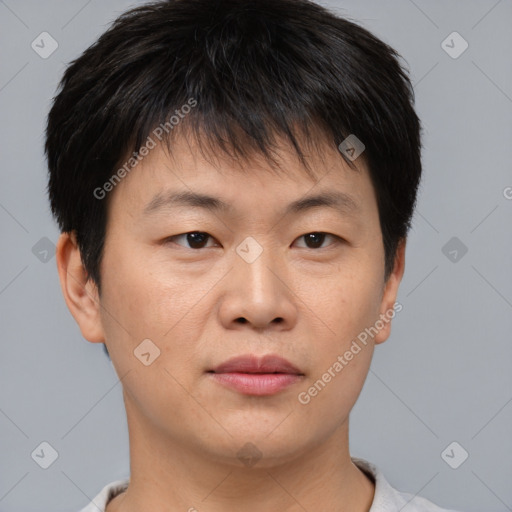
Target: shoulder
[388,499]
[99,503]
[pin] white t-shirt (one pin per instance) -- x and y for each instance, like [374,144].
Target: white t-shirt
[386,499]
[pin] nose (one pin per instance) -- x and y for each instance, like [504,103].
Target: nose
[259,295]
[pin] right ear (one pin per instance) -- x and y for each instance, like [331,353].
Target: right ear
[80,293]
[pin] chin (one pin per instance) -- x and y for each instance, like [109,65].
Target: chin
[256,446]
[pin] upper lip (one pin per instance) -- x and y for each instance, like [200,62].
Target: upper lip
[254,364]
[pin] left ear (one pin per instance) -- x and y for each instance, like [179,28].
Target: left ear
[387,309]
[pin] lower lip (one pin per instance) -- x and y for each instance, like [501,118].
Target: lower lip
[258,384]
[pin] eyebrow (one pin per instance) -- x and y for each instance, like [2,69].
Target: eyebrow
[339,201]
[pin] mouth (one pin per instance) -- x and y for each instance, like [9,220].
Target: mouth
[258,376]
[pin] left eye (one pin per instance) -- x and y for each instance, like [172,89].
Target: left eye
[316,239]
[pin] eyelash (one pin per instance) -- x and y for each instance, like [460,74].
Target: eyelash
[171,239]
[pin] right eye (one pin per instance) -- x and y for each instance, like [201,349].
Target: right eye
[195,239]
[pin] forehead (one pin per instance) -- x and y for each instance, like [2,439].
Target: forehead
[183,176]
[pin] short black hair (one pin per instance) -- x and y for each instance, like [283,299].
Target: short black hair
[252,70]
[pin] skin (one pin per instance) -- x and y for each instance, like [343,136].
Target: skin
[185,429]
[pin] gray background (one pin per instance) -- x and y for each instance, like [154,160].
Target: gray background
[443,376]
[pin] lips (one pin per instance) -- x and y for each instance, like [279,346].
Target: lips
[254,364]
[258,376]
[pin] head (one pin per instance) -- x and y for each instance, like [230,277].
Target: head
[246,102]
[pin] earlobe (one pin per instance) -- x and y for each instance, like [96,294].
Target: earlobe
[81,294]
[387,307]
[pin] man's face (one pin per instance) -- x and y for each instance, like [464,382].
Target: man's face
[250,283]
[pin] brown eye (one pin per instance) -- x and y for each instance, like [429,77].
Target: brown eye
[316,239]
[194,239]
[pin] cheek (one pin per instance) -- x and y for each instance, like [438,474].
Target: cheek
[343,351]
[329,396]
[347,302]
[145,304]
[140,301]
[146,295]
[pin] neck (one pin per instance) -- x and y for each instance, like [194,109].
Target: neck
[167,475]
